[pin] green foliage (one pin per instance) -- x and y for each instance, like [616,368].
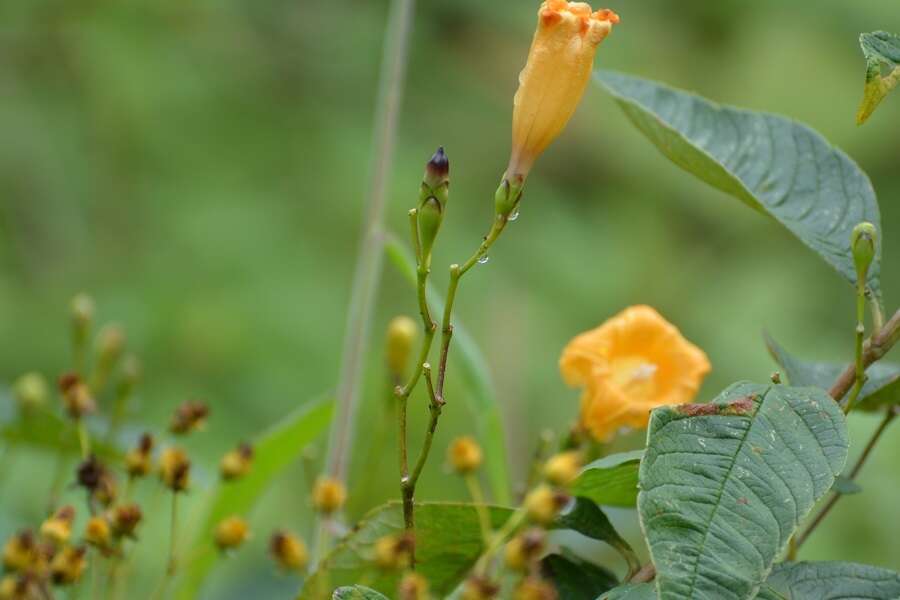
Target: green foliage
[632,591]
[47,431]
[777,166]
[724,485]
[472,367]
[882,387]
[588,519]
[576,579]
[882,52]
[448,541]
[611,480]
[830,581]
[274,451]
[357,592]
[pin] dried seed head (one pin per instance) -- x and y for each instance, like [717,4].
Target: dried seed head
[68,565]
[175,469]
[231,533]
[395,552]
[464,455]
[138,460]
[76,396]
[328,495]
[525,549]
[289,551]
[543,503]
[479,588]
[97,480]
[31,391]
[562,468]
[188,417]
[58,527]
[236,463]
[125,519]
[413,587]
[97,532]
[534,588]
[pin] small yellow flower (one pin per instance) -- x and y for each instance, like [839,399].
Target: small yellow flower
[58,527]
[394,552]
[413,587]
[289,551]
[20,552]
[19,587]
[542,504]
[68,565]
[231,533]
[236,463]
[97,532]
[138,459]
[522,551]
[175,469]
[479,588]
[534,588]
[553,80]
[629,365]
[562,468]
[464,455]
[328,495]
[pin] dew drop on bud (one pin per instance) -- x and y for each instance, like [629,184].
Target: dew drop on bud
[483,259]
[513,215]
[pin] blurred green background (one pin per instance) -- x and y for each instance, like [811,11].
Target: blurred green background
[200,168]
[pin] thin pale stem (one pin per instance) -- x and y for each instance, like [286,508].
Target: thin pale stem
[512,524]
[860,367]
[889,416]
[84,439]
[484,519]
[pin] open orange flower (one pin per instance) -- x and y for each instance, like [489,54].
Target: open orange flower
[628,366]
[553,80]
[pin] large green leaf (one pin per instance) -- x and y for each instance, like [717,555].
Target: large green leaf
[830,581]
[724,485]
[588,519]
[882,52]
[632,591]
[775,165]
[881,388]
[357,592]
[448,542]
[611,480]
[274,451]
[576,579]
[471,364]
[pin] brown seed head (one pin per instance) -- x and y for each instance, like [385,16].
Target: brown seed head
[175,469]
[236,463]
[188,417]
[479,588]
[289,551]
[524,550]
[76,396]
[125,519]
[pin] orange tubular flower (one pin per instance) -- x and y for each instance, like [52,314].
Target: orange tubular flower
[553,80]
[631,364]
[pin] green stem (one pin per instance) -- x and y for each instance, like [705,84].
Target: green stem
[84,439]
[514,521]
[860,375]
[484,519]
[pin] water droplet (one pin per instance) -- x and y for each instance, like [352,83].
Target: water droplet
[513,215]
[483,259]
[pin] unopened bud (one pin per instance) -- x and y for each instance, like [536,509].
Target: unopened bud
[175,469]
[138,459]
[464,455]
[863,243]
[289,551]
[542,504]
[535,588]
[328,495]
[110,346]
[236,463]
[525,549]
[562,468]
[31,391]
[479,588]
[507,196]
[76,396]
[401,337]
[82,312]
[433,196]
[413,587]
[231,533]
[97,532]
[58,527]
[68,565]
[394,552]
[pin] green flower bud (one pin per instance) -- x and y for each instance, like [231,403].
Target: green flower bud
[82,314]
[401,336]
[507,196]
[433,196]
[863,244]
[31,391]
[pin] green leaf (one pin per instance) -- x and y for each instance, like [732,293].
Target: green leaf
[45,430]
[611,480]
[576,579]
[777,166]
[448,542]
[273,452]
[881,388]
[632,591]
[724,485]
[471,364]
[588,519]
[882,52]
[830,581]
[357,592]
